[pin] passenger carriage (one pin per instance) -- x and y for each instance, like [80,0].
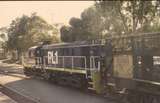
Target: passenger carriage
[136,67]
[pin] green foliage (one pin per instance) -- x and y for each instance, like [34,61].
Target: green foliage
[66,34]
[129,16]
[27,31]
[109,18]
[3,37]
[75,32]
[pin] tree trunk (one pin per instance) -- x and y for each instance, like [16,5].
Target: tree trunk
[19,56]
[133,16]
[13,55]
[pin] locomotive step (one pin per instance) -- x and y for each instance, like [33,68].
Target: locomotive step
[91,88]
[90,83]
[89,76]
[111,84]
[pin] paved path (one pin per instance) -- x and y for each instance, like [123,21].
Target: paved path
[43,91]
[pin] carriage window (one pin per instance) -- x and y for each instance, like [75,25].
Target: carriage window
[156,60]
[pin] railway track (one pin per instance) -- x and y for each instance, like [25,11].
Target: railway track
[17,96]
[26,97]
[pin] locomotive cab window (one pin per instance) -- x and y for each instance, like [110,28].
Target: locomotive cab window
[31,54]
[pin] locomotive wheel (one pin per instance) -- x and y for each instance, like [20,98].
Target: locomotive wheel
[134,97]
[149,98]
[46,76]
[154,99]
[145,98]
[27,72]
[62,81]
[53,78]
[139,97]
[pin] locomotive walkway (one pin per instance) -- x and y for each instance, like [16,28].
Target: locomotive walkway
[11,76]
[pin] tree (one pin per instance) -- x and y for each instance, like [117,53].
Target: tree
[66,35]
[3,34]
[74,32]
[108,18]
[92,22]
[3,37]
[27,31]
[129,16]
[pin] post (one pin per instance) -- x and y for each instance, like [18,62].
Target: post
[99,65]
[94,64]
[85,63]
[22,59]
[63,60]
[72,62]
[44,62]
[90,62]
[55,62]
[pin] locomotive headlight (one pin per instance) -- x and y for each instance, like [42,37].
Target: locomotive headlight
[139,62]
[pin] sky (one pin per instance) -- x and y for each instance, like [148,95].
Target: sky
[51,11]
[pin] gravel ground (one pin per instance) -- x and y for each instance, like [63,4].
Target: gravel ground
[6,99]
[42,91]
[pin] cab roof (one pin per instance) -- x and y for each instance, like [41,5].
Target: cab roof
[73,45]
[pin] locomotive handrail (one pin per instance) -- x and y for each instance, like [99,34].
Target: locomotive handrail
[72,61]
[93,63]
[67,56]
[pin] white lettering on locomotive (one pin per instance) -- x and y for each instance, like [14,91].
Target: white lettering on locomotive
[52,57]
